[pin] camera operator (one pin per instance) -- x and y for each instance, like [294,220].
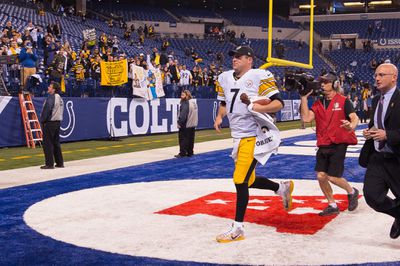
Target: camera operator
[335,120]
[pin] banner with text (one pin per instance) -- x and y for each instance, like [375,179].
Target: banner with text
[114,73]
[97,118]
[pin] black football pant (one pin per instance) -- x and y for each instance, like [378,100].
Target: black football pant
[51,143]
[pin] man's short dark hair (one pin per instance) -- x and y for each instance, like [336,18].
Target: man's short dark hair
[56,86]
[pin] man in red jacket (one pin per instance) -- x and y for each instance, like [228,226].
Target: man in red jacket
[335,120]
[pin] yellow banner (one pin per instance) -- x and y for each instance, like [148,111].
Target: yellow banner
[114,73]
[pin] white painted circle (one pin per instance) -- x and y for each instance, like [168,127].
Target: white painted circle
[120,219]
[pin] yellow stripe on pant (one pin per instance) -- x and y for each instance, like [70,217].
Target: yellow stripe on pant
[245,163]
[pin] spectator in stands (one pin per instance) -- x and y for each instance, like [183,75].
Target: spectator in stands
[185,78]
[27,59]
[9,29]
[151,31]
[57,29]
[187,122]
[373,64]
[320,47]
[95,68]
[165,45]
[110,23]
[3,50]
[220,58]
[357,106]
[61,11]
[115,45]
[49,29]
[280,50]
[173,69]
[50,118]
[187,52]
[167,82]
[58,66]
[79,70]
[127,35]
[50,49]
[14,49]
[206,77]
[242,35]
[300,44]
[146,30]
[171,56]
[330,46]
[27,37]
[71,10]
[370,29]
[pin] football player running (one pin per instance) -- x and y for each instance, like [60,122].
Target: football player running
[235,88]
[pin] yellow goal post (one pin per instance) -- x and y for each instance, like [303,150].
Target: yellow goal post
[271,61]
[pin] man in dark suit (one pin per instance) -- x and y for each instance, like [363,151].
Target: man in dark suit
[381,151]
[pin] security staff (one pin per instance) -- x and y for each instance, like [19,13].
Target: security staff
[381,151]
[51,118]
[335,120]
[187,123]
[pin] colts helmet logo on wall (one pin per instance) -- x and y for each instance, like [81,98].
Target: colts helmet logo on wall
[65,132]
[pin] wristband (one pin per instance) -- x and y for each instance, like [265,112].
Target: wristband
[250,107]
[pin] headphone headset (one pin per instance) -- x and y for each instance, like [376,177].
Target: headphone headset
[336,82]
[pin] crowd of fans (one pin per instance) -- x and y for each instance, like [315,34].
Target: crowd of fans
[80,70]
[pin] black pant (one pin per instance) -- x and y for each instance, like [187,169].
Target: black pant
[186,141]
[51,143]
[383,174]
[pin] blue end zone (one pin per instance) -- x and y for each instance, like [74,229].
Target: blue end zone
[20,245]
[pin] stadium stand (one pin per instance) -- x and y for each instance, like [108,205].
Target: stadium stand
[206,58]
[135,12]
[189,12]
[247,18]
[383,28]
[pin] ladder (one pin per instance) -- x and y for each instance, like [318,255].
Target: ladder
[33,131]
[3,88]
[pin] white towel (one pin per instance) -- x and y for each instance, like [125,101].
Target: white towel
[267,140]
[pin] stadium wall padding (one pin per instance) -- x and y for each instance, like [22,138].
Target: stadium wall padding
[97,118]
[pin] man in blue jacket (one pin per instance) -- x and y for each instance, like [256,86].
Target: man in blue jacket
[27,59]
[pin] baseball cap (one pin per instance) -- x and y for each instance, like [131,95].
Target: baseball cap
[29,45]
[330,77]
[242,50]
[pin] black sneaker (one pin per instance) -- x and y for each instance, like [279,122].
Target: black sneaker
[353,200]
[46,167]
[395,230]
[59,166]
[329,211]
[179,155]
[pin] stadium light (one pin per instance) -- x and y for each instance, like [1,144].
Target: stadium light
[305,6]
[375,3]
[372,3]
[349,4]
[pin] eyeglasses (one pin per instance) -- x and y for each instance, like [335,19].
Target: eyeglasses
[381,75]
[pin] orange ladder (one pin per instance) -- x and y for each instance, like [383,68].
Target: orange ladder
[33,131]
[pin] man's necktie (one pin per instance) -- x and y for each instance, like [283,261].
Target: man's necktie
[380,120]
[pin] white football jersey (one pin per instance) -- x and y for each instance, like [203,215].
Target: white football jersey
[255,82]
[185,76]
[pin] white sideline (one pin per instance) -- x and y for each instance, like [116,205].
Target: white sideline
[31,175]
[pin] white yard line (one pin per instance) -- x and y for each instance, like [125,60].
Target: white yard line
[31,175]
